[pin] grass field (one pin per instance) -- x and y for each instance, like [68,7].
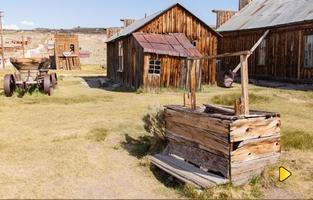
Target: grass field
[87,143]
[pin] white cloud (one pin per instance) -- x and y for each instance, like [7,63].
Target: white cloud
[27,23]
[11,27]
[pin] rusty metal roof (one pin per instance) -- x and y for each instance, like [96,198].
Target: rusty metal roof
[269,13]
[142,22]
[173,44]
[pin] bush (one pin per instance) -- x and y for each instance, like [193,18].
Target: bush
[154,124]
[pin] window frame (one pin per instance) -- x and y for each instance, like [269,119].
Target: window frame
[120,56]
[308,51]
[72,48]
[262,53]
[155,67]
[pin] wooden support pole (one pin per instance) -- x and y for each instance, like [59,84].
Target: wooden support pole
[190,97]
[193,86]
[244,84]
[2,40]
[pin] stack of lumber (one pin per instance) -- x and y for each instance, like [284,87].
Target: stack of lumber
[217,142]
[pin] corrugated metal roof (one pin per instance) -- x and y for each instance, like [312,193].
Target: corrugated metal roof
[141,22]
[173,44]
[268,13]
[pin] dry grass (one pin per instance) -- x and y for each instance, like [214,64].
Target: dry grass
[69,145]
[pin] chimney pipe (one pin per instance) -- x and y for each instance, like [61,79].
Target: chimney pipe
[243,3]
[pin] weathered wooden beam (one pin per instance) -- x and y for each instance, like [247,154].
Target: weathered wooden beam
[239,53]
[244,84]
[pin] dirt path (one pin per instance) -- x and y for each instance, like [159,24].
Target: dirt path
[46,150]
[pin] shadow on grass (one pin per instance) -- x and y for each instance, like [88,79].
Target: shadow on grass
[137,147]
[103,82]
[166,179]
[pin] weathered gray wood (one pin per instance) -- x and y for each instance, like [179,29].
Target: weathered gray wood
[217,144]
[186,172]
[244,84]
[191,152]
[198,120]
[241,173]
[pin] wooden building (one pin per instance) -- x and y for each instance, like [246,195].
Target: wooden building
[286,54]
[66,52]
[127,62]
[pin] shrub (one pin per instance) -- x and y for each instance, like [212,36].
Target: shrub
[154,124]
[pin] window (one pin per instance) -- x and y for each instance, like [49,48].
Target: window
[72,47]
[262,53]
[120,56]
[194,43]
[308,51]
[155,67]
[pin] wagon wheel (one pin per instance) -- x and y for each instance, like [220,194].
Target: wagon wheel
[54,79]
[47,85]
[9,85]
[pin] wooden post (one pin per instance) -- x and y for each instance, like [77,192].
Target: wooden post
[2,40]
[193,85]
[244,84]
[190,97]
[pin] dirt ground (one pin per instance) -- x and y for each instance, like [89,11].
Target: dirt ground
[80,142]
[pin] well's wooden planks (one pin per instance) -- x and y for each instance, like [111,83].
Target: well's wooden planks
[244,171]
[247,129]
[198,120]
[210,140]
[199,156]
[186,172]
[238,148]
[256,149]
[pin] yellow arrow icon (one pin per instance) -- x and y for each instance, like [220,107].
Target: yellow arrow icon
[284,174]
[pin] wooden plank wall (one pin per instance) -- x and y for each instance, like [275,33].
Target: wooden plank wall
[202,140]
[62,44]
[178,20]
[284,54]
[132,75]
[255,144]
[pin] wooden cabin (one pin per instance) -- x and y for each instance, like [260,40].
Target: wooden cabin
[286,54]
[128,62]
[66,52]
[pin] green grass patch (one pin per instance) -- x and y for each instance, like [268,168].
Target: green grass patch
[42,99]
[297,140]
[97,134]
[229,99]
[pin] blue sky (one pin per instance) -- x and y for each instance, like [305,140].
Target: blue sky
[27,14]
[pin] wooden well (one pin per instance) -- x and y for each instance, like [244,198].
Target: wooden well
[216,141]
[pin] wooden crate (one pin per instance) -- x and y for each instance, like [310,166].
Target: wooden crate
[215,140]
